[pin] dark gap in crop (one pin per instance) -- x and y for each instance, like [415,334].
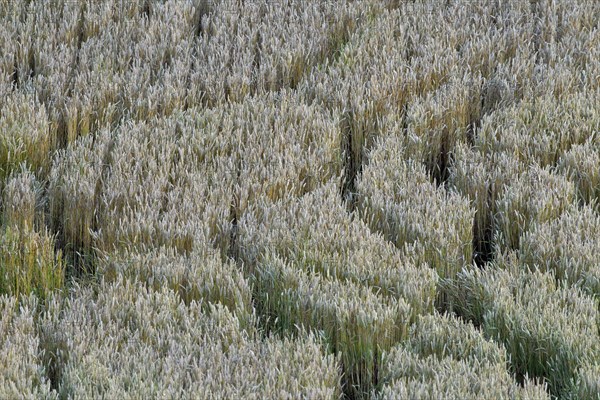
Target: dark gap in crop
[475,116]
[146,12]
[351,164]
[443,302]
[348,390]
[227,91]
[483,246]
[203,10]
[493,96]
[14,77]
[53,373]
[233,250]
[80,261]
[358,383]
[520,373]
[60,119]
[441,170]
[520,377]
[359,134]
[483,243]
[30,73]
[31,64]
[51,361]
[51,346]
[404,119]
[256,61]
[267,320]
[472,128]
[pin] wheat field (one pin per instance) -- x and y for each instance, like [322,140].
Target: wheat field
[300,199]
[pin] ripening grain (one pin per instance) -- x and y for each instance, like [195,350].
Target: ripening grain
[580,165]
[200,276]
[528,311]
[22,201]
[396,198]
[25,136]
[568,247]
[22,372]
[534,197]
[335,244]
[28,263]
[357,324]
[105,337]
[482,177]
[277,199]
